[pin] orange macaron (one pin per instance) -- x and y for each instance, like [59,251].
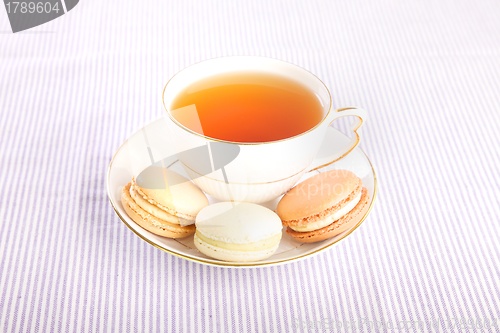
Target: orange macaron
[323,206]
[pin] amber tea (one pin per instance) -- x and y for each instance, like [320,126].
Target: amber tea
[247,107]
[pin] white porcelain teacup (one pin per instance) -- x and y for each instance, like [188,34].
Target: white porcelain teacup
[261,171]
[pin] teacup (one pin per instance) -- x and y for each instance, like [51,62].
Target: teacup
[254,171]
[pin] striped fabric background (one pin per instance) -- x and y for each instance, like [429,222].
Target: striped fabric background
[426,259]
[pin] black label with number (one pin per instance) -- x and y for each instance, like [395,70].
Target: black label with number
[28,14]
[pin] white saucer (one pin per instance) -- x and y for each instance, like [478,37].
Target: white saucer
[149,145]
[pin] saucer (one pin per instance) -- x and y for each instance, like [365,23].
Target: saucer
[150,144]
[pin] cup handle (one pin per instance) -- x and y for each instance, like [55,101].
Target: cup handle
[349,146]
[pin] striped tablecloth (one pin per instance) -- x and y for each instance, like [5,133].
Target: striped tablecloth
[426,259]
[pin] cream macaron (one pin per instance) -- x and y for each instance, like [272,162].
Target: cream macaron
[239,231]
[163,202]
[323,206]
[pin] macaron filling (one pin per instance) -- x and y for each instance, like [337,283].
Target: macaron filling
[268,243]
[330,218]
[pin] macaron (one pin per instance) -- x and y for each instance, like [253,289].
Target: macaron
[323,206]
[163,202]
[239,231]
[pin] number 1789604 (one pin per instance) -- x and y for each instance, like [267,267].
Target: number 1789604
[31,7]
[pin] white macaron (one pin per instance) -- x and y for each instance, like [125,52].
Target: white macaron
[241,231]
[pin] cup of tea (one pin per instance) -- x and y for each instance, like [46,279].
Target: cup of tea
[248,128]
